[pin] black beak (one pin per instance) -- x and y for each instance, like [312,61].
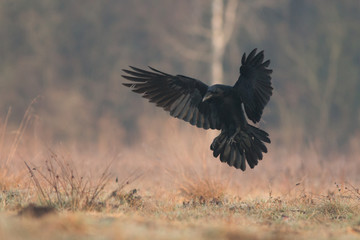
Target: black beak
[207,96]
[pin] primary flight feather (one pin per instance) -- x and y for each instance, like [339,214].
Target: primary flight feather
[216,107]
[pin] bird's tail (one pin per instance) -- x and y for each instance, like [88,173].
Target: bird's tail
[247,144]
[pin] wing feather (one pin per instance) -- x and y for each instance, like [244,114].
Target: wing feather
[179,95]
[254,84]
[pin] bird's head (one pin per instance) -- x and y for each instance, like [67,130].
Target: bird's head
[214,91]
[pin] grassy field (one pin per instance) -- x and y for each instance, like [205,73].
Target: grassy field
[166,187]
[145,217]
[57,202]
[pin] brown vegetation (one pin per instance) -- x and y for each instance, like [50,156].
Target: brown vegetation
[166,187]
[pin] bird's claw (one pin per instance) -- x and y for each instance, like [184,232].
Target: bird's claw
[232,140]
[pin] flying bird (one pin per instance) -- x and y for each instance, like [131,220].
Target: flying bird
[218,106]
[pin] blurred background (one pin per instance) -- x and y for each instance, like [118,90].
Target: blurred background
[69,56]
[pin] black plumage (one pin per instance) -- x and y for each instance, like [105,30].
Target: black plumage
[217,107]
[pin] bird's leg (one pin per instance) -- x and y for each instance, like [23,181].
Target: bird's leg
[232,138]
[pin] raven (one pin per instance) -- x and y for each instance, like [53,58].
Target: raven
[217,107]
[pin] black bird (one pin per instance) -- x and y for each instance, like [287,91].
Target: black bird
[216,107]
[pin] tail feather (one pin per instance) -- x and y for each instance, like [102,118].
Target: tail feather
[258,133]
[240,163]
[218,144]
[247,145]
[251,157]
[224,157]
[233,156]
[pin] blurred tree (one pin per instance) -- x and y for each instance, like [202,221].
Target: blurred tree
[72,53]
[314,39]
[222,28]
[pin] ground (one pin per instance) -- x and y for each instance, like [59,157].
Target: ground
[145,217]
[169,186]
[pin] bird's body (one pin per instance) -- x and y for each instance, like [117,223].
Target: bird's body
[216,107]
[229,106]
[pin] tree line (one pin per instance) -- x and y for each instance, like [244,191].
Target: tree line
[71,54]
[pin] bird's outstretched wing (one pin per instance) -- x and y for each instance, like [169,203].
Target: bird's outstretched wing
[254,84]
[181,96]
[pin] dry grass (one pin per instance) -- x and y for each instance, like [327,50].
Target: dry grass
[59,184]
[8,148]
[311,218]
[168,186]
[203,190]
